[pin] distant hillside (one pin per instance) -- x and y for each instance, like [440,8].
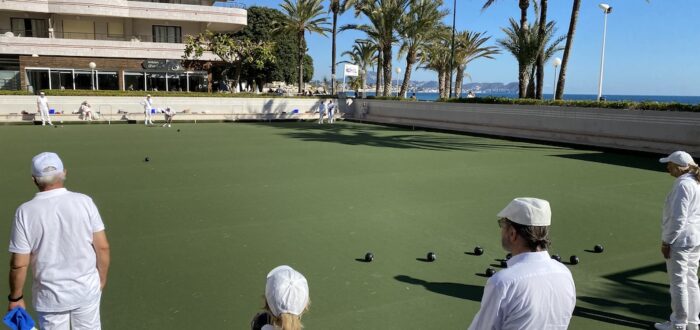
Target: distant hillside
[424,86]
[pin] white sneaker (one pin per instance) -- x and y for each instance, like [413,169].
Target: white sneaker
[169,125]
[668,326]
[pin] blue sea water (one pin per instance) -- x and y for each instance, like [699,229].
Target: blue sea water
[580,97]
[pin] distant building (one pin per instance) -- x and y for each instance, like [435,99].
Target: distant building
[135,45]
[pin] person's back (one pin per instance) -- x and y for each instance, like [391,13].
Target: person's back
[537,288]
[59,226]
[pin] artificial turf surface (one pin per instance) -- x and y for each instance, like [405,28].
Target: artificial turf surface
[194,231]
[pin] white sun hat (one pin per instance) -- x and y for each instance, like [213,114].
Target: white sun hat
[286,291]
[45,164]
[680,158]
[528,211]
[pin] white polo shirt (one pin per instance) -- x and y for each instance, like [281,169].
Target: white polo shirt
[680,223]
[43,103]
[56,227]
[534,292]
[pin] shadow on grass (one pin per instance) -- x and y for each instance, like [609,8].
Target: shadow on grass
[394,137]
[457,290]
[637,160]
[630,295]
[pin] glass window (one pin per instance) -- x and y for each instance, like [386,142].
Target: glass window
[133,81]
[177,82]
[169,34]
[30,27]
[61,79]
[107,81]
[156,81]
[198,82]
[83,79]
[38,80]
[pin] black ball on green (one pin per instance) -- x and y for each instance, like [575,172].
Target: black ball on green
[369,257]
[490,272]
[147,159]
[478,250]
[598,248]
[556,257]
[178,129]
[574,260]
[504,264]
[432,256]
[508,256]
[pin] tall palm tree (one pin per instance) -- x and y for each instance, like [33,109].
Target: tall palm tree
[523,4]
[561,81]
[302,16]
[437,56]
[374,36]
[384,17]
[417,28]
[364,55]
[548,45]
[518,43]
[337,7]
[468,47]
[540,57]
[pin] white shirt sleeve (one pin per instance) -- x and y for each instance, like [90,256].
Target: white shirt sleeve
[19,242]
[489,316]
[676,213]
[95,218]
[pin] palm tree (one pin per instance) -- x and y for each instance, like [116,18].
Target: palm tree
[468,47]
[561,81]
[384,17]
[523,4]
[302,16]
[437,57]
[540,57]
[547,48]
[337,7]
[518,43]
[364,55]
[417,29]
[375,37]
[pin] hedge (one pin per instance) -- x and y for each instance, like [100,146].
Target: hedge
[627,105]
[79,92]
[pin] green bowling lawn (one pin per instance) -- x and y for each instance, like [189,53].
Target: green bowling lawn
[195,230]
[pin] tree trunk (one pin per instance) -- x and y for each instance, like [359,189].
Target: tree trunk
[441,84]
[335,25]
[540,56]
[301,61]
[459,80]
[378,83]
[387,70]
[531,85]
[567,49]
[410,60]
[524,5]
[522,80]
[239,69]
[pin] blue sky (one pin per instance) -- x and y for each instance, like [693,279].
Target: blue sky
[651,46]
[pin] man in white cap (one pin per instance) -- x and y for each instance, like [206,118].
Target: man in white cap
[534,291]
[147,106]
[42,106]
[60,235]
[286,299]
[680,241]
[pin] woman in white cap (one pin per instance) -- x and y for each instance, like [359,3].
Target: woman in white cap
[680,241]
[286,299]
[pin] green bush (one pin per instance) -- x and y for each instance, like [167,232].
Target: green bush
[79,92]
[14,92]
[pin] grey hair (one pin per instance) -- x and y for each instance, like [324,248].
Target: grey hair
[44,181]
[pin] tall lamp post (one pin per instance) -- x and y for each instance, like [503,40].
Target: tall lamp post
[398,72]
[556,63]
[92,66]
[606,10]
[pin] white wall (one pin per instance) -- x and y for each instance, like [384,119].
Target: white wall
[652,131]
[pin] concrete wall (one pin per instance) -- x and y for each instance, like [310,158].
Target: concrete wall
[651,131]
[188,108]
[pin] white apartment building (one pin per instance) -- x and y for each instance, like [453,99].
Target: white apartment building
[109,44]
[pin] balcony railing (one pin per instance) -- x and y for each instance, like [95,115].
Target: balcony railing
[81,36]
[227,4]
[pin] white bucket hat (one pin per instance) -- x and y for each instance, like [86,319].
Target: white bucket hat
[528,211]
[680,158]
[286,291]
[45,164]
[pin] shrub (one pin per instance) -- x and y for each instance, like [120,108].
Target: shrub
[629,105]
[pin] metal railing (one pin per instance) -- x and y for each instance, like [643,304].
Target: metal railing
[84,36]
[226,3]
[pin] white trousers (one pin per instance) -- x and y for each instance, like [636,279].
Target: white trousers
[45,116]
[148,119]
[320,117]
[83,318]
[685,294]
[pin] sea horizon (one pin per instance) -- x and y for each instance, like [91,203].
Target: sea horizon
[573,97]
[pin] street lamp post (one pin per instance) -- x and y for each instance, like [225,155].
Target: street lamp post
[606,10]
[398,72]
[92,74]
[556,63]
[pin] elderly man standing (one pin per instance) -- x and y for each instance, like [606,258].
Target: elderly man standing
[42,106]
[59,234]
[534,292]
[680,241]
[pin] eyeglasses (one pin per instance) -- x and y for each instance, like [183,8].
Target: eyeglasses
[502,222]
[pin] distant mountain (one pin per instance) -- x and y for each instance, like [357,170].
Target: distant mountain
[429,86]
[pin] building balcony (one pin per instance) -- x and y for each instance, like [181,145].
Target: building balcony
[219,16]
[110,46]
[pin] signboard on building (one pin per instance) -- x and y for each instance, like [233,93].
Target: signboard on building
[165,65]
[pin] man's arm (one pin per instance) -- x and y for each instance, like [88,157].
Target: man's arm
[489,314]
[19,263]
[101,246]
